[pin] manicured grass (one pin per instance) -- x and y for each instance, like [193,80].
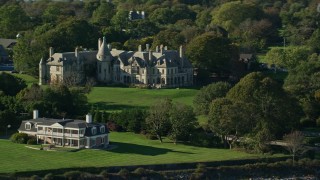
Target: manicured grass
[29,79]
[132,149]
[112,98]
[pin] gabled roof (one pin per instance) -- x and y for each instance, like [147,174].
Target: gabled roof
[70,57]
[66,123]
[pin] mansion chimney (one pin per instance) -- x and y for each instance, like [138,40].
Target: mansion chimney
[35,114]
[76,52]
[181,52]
[51,51]
[161,48]
[109,47]
[139,48]
[157,48]
[150,55]
[88,118]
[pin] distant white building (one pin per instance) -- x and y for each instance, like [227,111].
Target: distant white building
[161,68]
[66,132]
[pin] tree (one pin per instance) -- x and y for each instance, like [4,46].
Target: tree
[211,52]
[183,121]
[170,38]
[229,15]
[161,16]
[158,118]
[13,19]
[294,143]
[11,85]
[103,14]
[207,94]
[230,120]
[303,83]
[289,58]
[257,108]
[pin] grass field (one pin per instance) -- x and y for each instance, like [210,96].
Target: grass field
[132,149]
[29,79]
[112,98]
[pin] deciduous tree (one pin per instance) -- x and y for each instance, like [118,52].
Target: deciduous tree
[183,122]
[207,94]
[158,118]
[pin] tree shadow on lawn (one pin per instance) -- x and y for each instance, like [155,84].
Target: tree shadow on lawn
[126,148]
[114,107]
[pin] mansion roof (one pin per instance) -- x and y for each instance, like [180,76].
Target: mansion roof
[167,58]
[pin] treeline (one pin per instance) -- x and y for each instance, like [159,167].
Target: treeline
[17,101]
[214,31]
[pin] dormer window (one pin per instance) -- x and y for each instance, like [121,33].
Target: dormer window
[28,126]
[94,130]
[102,129]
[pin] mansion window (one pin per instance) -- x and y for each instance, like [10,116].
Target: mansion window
[57,68]
[94,130]
[162,71]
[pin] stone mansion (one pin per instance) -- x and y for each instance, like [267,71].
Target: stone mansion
[159,68]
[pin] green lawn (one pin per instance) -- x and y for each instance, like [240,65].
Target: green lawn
[29,79]
[132,149]
[112,98]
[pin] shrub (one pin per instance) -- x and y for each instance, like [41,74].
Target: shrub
[104,173]
[48,176]
[20,138]
[140,171]
[205,140]
[123,172]
[35,177]
[318,122]
[151,136]
[72,175]
[32,141]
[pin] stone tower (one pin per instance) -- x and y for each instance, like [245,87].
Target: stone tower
[42,72]
[104,62]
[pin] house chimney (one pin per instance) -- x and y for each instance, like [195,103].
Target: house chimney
[51,51]
[139,48]
[88,118]
[99,43]
[166,48]
[157,48]
[35,114]
[147,47]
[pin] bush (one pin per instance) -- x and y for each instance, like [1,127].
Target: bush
[140,171]
[205,140]
[104,173]
[151,136]
[123,172]
[35,177]
[318,122]
[48,176]
[72,175]
[20,138]
[32,141]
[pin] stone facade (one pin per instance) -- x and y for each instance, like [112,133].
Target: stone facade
[160,68]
